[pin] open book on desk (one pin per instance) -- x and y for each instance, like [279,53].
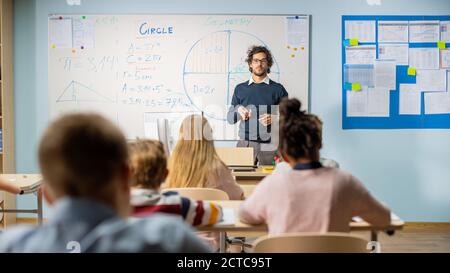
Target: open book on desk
[228,218]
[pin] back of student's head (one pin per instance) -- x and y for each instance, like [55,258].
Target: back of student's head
[148,163]
[300,132]
[194,156]
[81,155]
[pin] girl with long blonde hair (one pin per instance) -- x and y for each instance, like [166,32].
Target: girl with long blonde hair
[194,161]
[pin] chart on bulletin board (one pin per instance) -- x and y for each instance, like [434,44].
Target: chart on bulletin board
[395,72]
[134,69]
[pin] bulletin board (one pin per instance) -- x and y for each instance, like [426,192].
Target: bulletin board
[395,72]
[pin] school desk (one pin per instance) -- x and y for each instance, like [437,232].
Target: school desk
[238,226]
[29,183]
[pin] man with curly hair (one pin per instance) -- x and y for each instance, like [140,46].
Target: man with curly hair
[252,104]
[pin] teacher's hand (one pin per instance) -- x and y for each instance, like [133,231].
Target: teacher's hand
[265,119]
[244,112]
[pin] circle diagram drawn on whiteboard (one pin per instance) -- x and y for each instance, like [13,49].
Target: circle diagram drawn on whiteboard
[214,65]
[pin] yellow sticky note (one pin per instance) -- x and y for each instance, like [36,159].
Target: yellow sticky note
[267,169]
[292,56]
[53,46]
[356,87]
[411,71]
[354,42]
[295,49]
[441,44]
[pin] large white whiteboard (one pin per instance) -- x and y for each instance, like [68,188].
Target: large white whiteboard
[127,66]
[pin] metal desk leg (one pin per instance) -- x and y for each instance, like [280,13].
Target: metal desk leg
[39,206]
[373,235]
[222,242]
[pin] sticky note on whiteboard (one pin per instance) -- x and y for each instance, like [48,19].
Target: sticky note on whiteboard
[60,32]
[441,44]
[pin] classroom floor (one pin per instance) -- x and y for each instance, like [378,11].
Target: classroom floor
[414,238]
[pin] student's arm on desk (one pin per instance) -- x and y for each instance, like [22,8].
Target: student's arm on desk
[201,213]
[253,210]
[369,208]
[8,187]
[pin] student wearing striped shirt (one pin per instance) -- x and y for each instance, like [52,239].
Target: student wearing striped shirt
[149,169]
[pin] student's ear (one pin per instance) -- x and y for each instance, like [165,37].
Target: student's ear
[125,175]
[166,174]
[285,158]
[48,196]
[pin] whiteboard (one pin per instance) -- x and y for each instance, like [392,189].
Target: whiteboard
[129,66]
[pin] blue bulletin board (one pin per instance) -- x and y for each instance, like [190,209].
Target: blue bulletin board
[368,101]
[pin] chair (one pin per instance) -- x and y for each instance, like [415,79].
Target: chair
[200,193]
[332,242]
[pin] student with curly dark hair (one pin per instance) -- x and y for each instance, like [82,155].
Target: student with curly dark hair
[252,105]
[309,197]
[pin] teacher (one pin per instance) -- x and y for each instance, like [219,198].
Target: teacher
[252,104]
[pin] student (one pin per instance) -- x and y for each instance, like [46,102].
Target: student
[310,197]
[8,187]
[195,163]
[149,170]
[84,163]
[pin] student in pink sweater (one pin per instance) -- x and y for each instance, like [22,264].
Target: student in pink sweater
[309,197]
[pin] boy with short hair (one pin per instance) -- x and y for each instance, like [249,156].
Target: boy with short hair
[84,163]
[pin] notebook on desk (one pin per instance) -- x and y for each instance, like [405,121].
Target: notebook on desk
[228,218]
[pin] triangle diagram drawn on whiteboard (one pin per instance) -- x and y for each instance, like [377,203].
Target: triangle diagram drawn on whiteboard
[76,91]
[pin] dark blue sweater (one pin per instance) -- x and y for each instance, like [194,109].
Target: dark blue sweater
[258,97]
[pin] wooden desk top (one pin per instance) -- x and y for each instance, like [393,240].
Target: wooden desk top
[27,182]
[256,173]
[239,226]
